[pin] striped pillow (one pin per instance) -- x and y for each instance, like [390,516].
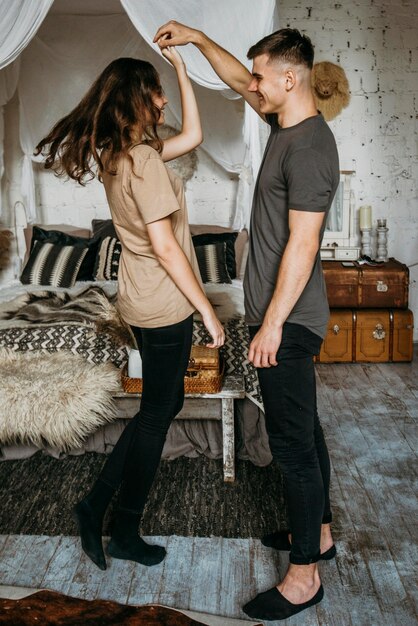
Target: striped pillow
[212,263]
[107,260]
[53,264]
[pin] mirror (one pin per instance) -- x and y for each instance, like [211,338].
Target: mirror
[335,220]
[339,230]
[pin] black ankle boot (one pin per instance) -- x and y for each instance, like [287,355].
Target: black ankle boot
[89,514]
[90,530]
[126,544]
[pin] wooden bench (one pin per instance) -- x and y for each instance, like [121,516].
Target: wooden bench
[213,406]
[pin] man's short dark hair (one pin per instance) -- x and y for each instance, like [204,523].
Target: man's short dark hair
[286,44]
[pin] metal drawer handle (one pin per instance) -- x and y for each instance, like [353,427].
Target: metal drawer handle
[381,286]
[378,332]
[336,329]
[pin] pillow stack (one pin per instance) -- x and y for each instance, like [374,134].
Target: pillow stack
[60,258]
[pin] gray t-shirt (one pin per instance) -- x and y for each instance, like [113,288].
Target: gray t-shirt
[300,170]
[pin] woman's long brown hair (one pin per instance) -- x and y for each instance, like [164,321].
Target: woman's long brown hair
[116,108]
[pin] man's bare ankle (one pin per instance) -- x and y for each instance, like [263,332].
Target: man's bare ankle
[300,583]
[326,535]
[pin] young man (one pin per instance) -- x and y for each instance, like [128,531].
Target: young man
[285,298]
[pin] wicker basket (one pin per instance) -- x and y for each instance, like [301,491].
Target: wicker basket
[202,381]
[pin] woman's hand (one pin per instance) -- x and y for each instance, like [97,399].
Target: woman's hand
[215,329]
[171,54]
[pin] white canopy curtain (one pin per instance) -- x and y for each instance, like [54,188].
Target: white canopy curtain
[19,21]
[70,51]
[8,82]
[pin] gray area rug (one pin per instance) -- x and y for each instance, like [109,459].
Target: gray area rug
[188,498]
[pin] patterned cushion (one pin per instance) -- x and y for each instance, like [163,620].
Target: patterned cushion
[107,261]
[212,263]
[229,239]
[53,264]
[66,239]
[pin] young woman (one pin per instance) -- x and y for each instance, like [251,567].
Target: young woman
[113,134]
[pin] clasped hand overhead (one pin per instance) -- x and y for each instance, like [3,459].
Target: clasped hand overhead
[173,34]
[172,55]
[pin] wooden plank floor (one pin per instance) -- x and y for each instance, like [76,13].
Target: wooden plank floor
[369,414]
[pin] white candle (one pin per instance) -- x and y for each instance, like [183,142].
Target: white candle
[365,217]
[134,364]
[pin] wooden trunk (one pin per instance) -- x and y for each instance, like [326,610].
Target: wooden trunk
[364,286]
[368,336]
[338,342]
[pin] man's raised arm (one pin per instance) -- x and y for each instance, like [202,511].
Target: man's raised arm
[227,67]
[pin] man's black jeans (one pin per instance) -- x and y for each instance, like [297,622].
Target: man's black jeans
[134,460]
[296,438]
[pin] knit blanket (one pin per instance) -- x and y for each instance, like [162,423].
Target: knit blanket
[86,324]
[91,307]
[234,352]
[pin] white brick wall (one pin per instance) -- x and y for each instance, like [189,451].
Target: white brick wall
[377,44]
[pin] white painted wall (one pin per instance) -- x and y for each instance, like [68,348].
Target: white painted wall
[376,43]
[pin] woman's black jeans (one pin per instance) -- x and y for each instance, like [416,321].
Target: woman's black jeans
[134,460]
[296,438]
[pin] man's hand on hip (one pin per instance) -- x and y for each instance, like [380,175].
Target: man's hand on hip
[174,34]
[264,346]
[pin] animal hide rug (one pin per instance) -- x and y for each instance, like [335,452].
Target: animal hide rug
[56,399]
[50,607]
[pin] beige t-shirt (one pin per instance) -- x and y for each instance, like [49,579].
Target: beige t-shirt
[140,193]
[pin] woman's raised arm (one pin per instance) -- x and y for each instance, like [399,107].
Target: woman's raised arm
[191,134]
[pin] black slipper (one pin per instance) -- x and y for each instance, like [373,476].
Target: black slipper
[280,541]
[271,605]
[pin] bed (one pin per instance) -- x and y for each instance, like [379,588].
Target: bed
[82,319]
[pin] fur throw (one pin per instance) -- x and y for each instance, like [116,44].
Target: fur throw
[91,307]
[185,165]
[5,248]
[330,88]
[56,399]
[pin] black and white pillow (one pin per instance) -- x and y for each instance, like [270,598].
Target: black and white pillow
[107,261]
[203,239]
[64,239]
[212,263]
[53,264]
